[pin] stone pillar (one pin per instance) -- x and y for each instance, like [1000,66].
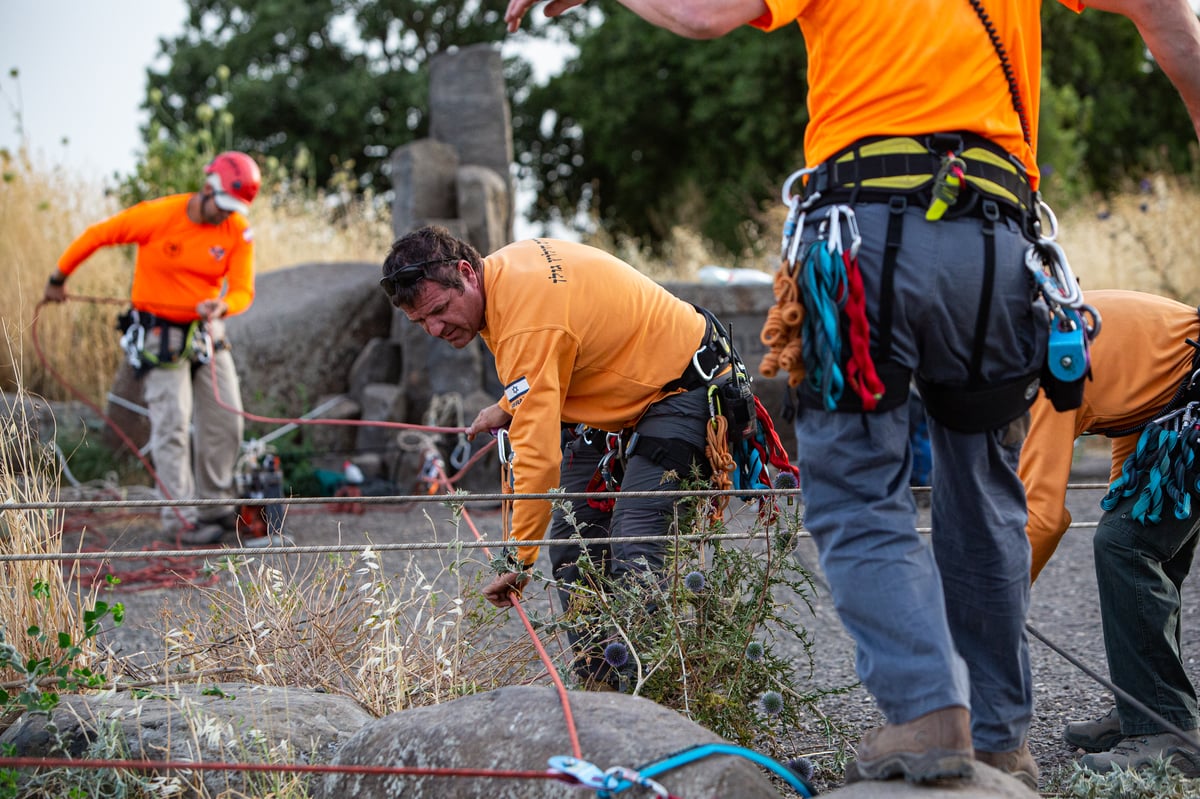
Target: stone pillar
[469,110]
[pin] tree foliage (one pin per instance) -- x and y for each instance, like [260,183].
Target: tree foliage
[644,125]
[642,131]
[1131,117]
[333,83]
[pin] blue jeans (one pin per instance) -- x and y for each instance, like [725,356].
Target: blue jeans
[1140,572]
[938,622]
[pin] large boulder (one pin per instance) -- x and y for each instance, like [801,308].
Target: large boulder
[295,346]
[520,728]
[229,722]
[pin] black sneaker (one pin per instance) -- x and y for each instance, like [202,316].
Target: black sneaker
[1098,735]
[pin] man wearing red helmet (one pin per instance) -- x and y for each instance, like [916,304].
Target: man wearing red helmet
[195,266]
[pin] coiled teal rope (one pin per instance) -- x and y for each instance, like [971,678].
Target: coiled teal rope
[823,292]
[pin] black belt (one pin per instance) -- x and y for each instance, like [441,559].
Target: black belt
[880,167]
[149,320]
[708,359]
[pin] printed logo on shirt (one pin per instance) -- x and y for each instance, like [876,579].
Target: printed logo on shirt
[515,390]
[248,234]
[552,260]
[217,253]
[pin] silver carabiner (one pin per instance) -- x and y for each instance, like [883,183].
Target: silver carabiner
[504,449]
[202,345]
[461,453]
[581,771]
[133,343]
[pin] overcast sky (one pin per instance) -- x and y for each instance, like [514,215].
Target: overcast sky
[82,77]
[82,67]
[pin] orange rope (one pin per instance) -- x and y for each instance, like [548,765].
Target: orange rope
[781,330]
[722,463]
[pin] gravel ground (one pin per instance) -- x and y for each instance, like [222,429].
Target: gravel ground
[1064,610]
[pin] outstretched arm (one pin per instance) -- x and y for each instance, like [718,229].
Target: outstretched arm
[1172,34]
[694,19]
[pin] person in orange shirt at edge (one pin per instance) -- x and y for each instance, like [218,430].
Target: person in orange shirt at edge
[905,98]
[190,247]
[1144,368]
[581,338]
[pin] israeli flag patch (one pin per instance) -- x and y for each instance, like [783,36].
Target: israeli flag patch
[515,390]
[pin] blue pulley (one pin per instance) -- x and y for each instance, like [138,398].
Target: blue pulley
[1067,350]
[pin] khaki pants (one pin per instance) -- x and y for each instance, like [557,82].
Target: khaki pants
[194,441]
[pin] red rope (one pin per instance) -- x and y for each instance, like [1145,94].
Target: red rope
[572,733]
[292,768]
[860,369]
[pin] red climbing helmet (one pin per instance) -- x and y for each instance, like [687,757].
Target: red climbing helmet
[235,179]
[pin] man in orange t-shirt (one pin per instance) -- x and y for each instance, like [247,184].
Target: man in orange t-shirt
[195,266]
[1145,368]
[920,158]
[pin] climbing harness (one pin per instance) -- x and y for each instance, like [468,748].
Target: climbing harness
[1164,466]
[178,342]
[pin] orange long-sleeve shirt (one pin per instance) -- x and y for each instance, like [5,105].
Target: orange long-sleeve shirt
[880,67]
[579,337]
[179,263]
[1138,362]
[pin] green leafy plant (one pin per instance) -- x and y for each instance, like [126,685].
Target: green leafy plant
[44,677]
[704,636]
[1160,780]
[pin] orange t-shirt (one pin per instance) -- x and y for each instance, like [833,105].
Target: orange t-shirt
[179,263]
[580,337]
[886,68]
[1138,361]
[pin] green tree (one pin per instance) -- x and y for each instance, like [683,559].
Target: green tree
[343,80]
[1131,118]
[645,129]
[643,122]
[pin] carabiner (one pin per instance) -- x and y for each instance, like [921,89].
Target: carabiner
[581,771]
[202,345]
[855,235]
[461,453]
[504,448]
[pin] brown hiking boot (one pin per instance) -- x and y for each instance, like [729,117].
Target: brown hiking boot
[1018,763]
[936,746]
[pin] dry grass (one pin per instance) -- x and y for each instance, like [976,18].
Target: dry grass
[29,473]
[347,628]
[1143,239]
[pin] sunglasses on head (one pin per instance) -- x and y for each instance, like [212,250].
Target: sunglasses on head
[409,275]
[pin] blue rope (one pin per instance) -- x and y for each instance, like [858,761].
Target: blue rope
[1164,465]
[704,750]
[1126,483]
[823,292]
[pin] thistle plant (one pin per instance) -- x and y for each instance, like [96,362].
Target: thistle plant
[705,635]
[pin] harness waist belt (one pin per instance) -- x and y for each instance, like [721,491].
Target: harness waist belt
[705,363]
[149,320]
[903,164]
